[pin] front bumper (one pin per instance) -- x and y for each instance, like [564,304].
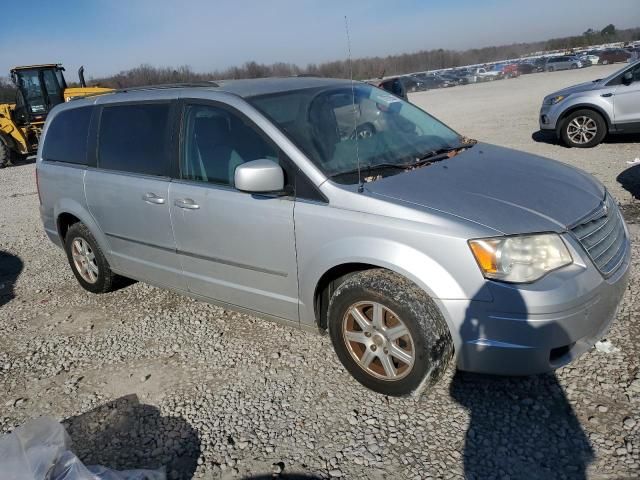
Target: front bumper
[535,328]
[548,118]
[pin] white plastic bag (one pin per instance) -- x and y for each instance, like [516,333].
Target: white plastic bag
[40,450]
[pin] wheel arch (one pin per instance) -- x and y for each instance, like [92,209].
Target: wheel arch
[67,212]
[325,273]
[583,106]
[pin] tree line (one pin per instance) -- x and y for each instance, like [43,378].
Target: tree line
[363,68]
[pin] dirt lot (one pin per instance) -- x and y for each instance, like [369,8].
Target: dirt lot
[143,377]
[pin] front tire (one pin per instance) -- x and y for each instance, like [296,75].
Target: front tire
[388,333]
[583,129]
[87,261]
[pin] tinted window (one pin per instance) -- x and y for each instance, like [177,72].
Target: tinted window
[215,142]
[66,139]
[135,138]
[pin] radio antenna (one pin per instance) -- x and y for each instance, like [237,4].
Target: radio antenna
[353,102]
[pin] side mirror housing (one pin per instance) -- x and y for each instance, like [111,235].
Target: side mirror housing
[627,78]
[259,176]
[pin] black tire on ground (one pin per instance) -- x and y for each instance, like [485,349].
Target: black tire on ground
[549,69]
[601,129]
[5,155]
[105,277]
[573,66]
[429,333]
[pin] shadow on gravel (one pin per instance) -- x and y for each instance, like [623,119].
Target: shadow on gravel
[542,136]
[10,269]
[126,434]
[520,427]
[630,180]
[549,137]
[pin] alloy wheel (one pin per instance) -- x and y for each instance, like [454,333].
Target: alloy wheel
[84,260]
[378,340]
[582,129]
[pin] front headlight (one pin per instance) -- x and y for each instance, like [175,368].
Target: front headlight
[521,258]
[554,100]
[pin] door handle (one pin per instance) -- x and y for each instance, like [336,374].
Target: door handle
[606,95]
[151,197]
[186,203]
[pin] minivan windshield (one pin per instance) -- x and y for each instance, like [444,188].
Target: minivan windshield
[336,126]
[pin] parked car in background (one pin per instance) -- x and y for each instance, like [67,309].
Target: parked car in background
[395,85]
[540,63]
[486,75]
[613,55]
[525,68]
[592,59]
[582,115]
[467,75]
[453,79]
[508,70]
[412,247]
[431,81]
[562,63]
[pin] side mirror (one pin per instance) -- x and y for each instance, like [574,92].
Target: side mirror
[259,176]
[627,78]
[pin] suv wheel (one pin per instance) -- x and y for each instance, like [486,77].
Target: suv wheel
[388,333]
[87,261]
[583,129]
[573,66]
[605,62]
[549,69]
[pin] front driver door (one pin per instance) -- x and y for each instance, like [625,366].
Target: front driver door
[626,102]
[235,247]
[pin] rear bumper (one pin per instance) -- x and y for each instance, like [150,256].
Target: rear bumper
[524,334]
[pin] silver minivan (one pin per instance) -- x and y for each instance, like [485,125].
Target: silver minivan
[409,243]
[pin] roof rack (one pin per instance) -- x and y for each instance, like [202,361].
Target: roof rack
[210,84]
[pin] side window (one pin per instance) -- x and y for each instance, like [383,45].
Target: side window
[215,142]
[66,139]
[135,138]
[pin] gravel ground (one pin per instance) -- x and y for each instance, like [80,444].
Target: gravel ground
[143,377]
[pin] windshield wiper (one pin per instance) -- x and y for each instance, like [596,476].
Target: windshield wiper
[426,158]
[437,155]
[367,169]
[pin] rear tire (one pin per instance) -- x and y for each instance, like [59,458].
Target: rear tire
[5,155]
[583,129]
[573,66]
[87,261]
[549,69]
[388,333]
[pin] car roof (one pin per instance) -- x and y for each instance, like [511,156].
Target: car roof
[243,88]
[265,86]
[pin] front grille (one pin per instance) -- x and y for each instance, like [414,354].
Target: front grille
[603,236]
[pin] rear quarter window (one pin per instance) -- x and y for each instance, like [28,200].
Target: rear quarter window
[67,135]
[135,138]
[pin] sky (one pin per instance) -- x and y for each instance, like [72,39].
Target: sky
[108,36]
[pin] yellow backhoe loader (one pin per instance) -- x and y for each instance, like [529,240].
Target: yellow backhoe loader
[39,88]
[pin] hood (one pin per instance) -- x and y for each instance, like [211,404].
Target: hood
[581,87]
[506,190]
